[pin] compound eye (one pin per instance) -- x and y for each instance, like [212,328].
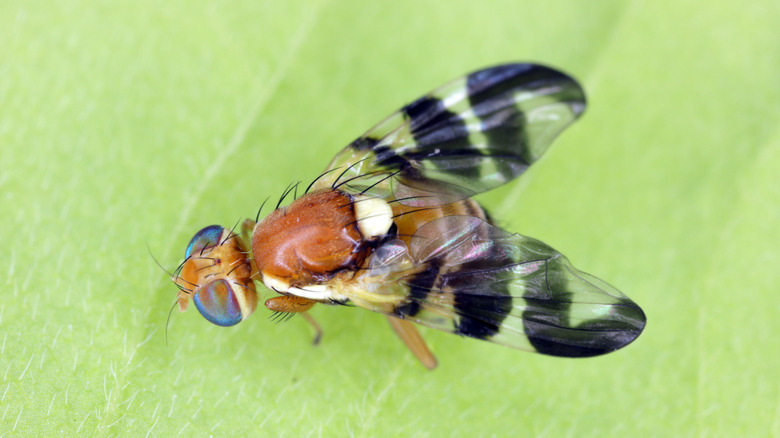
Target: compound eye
[218,304]
[204,238]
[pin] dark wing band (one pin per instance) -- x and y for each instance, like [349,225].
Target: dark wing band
[483,282]
[466,137]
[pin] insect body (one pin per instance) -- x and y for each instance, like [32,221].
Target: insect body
[314,239]
[389,227]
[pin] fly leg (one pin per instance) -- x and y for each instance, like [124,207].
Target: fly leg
[411,337]
[293,304]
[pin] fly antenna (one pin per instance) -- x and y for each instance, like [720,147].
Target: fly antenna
[168,320]
[157,262]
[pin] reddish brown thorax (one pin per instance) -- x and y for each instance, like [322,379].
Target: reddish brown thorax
[309,240]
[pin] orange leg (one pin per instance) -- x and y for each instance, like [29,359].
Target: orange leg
[293,304]
[317,328]
[411,337]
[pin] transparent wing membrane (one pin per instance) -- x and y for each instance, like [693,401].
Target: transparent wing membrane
[486,283]
[466,137]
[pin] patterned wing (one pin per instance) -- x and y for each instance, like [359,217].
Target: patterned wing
[480,281]
[466,137]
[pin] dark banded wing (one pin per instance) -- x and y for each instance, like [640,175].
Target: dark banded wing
[483,282]
[466,137]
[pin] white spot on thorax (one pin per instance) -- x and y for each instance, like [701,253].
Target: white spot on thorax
[374,216]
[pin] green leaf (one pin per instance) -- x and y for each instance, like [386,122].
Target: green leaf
[127,126]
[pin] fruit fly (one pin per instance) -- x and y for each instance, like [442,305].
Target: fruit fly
[389,226]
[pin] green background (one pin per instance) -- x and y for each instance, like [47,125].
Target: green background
[129,125]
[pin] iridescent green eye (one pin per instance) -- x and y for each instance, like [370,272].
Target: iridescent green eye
[204,238]
[218,304]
